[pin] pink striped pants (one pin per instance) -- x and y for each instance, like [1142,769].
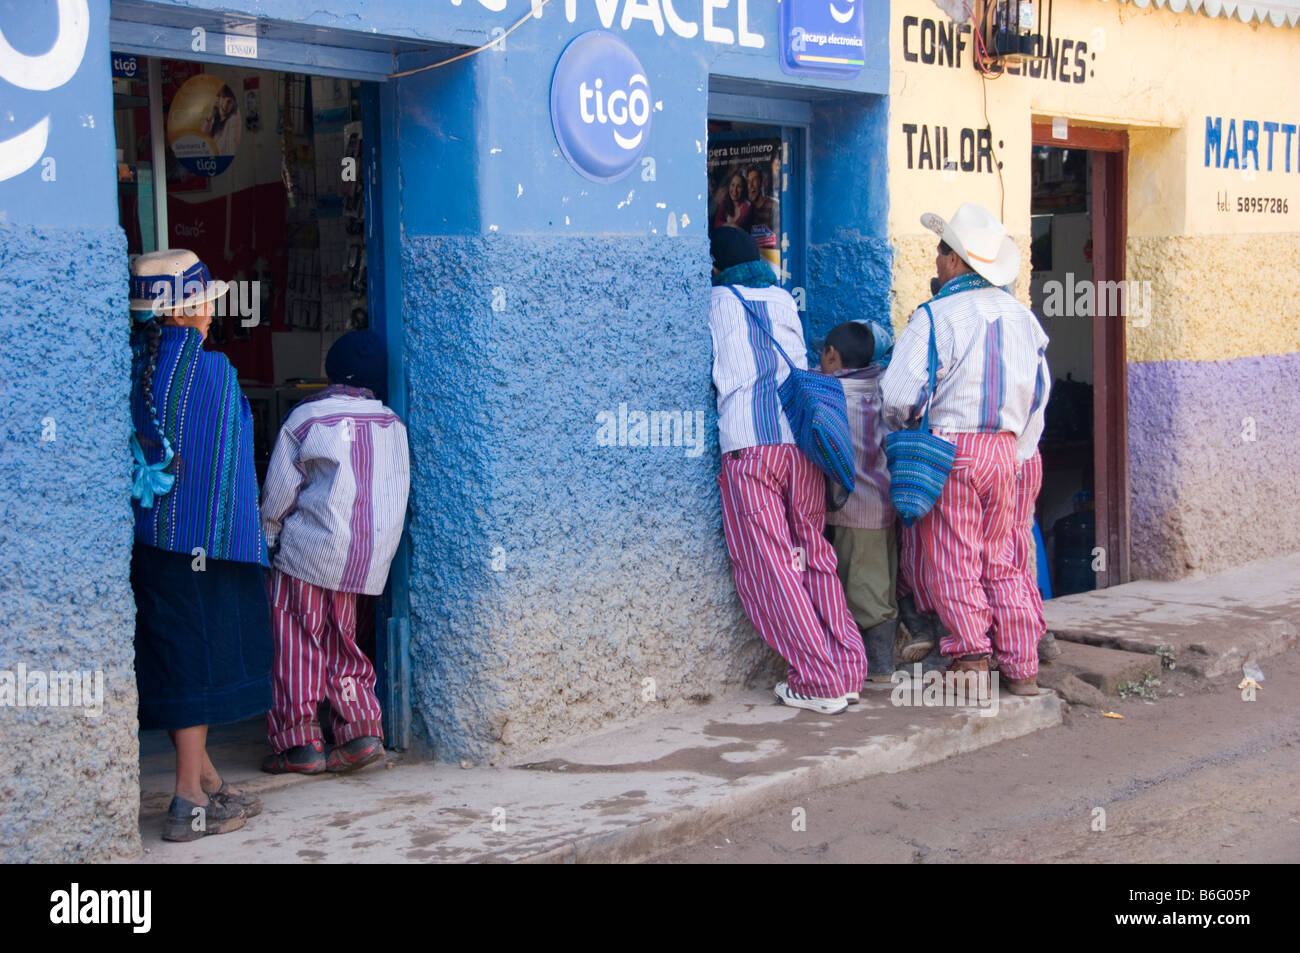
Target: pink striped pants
[965,553]
[1029,480]
[774,511]
[909,569]
[316,655]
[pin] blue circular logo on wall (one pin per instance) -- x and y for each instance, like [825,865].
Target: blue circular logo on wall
[600,106]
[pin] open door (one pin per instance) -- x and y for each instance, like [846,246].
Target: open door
[296,198]
[1079,216]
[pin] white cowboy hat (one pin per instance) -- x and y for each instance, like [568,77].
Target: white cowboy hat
[980,240]
[171,278]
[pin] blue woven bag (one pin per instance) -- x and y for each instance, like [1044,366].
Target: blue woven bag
[818,414]
[918,461]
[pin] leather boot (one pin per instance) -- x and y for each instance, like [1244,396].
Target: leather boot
[1021,686]
[979,664]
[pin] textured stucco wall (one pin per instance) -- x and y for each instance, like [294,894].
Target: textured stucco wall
[848,278]
[1216,297]
[1206,497]
[848,259]
[69,785]
[1215,365]
[550,575]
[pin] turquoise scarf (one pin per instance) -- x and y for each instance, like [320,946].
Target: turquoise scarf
[966,281]
[751,274]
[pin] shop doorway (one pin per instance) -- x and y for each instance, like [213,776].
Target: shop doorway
[272,177]
[1078,233]
[755,182]
[279,209]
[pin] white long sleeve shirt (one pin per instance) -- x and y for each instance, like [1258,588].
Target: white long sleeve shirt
[993,374]
[336,491]
[746,368]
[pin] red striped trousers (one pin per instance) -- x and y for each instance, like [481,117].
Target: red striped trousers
[1029,480]
[909,569]
[966,557]
[316,656]
[774,512]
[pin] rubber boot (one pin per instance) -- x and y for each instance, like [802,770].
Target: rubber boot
[879,641]
[919,639]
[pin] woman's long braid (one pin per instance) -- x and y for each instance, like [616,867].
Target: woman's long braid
[146,383]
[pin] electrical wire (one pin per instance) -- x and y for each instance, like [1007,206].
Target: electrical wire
[981,50]
[536,9]
[997,165]
[1047,43]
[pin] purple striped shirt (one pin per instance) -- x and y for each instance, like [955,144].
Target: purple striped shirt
[336,491]
[868,505]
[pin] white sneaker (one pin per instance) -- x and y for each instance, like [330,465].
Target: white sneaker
[852,697]
[825,706]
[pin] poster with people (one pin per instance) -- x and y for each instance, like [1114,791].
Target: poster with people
[744,191]
[203,125]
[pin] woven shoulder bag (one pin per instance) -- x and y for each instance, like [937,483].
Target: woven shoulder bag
[918,461]
[815,407]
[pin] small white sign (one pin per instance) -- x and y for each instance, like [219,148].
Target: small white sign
[242,46]
[1060,127]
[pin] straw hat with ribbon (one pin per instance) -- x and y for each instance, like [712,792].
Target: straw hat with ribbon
[171,278]
[980,240]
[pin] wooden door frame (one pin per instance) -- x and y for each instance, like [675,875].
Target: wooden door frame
[1108,175]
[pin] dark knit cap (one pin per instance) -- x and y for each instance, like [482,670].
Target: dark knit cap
[731,246]
[358,359]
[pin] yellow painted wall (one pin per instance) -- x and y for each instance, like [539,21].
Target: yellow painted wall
[1156,74]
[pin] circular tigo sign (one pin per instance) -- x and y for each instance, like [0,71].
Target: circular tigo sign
[600,106]
[204,125]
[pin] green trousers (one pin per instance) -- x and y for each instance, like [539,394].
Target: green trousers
[867,563]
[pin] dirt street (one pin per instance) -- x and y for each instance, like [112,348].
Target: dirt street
[1199,775]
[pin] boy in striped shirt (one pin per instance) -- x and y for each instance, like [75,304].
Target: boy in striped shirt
[332,512]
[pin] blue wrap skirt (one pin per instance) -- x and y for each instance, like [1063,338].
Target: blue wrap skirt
[202,640]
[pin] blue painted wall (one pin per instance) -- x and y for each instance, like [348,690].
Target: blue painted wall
[69,786]
[850,260]
[551,577]
[69,177]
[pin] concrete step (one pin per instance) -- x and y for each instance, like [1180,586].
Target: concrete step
[1213,624]
[1106,669]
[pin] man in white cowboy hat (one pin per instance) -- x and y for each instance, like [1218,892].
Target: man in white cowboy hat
[990,390]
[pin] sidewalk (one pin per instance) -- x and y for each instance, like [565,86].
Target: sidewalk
[1214,624]
[617,796]
[628,793]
